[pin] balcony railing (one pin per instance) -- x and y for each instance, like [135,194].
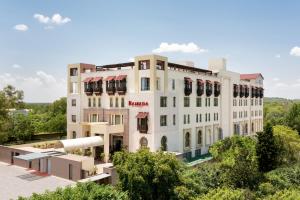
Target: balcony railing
[261,93]
[208,88]
[242,91]
[246,91]
[121,87]
[217,89]
[110,87]
[143,128]
[235,90]
[88,89]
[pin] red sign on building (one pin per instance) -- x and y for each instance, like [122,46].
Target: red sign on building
[138,103]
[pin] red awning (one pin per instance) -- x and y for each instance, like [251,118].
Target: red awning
[142,115]
[120,77]
[88,79]
[188,79]
[110,78]
[208,81]
[96,79]
[199,80]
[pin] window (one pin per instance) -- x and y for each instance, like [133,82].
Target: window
[157,83]
[73,102]
[184,119]
[216,102]
[145,84]
[143,142]
[94,102]
[200,117]
[74,88]
[198,102]
[144,64]
[188,119]
[74,134]
[174,102]
[117,102]
[209,117]
[234,115]
[99,102]
[206,117]
[196,118]
[111,103]
[73,72]
[163,101]
[187,140]
[173,84]
[199,137]
[94,118]
[174,120]
[163,143]
[117,119]
[186,102]
[163,120]
[207,102]
[89,102]
[251,102]
[122,102]
[73,118]
[160,65]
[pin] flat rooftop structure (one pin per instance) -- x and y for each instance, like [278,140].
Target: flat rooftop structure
[38,155]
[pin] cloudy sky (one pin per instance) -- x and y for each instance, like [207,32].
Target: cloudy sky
[39,38]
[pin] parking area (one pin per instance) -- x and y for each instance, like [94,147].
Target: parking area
[17,181]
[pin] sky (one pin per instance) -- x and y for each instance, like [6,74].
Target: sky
[39,38]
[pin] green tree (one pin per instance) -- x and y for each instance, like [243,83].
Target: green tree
[14,97]
[147,175]
[266,150]
[22,128]
[238,161]
[88,191]
[227,193]
[293,117]
[286,194]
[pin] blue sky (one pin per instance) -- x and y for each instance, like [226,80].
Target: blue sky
[40,37]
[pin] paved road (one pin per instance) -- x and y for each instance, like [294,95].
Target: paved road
[17,181]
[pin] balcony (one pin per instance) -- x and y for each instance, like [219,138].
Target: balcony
[187,86]
[208,88]
[235,90]
[200,87]
[98,90]
[261,92]
[143,128]
[121,87]
[246,91]
[88,89]
[217,89]
[242,91]
[256,92]
[252,92]
[104,128]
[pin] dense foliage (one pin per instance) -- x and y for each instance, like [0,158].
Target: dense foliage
[266,149]
[18,127]
[88,191]
[146,175]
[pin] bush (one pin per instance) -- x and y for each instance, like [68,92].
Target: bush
[90,191]
[287,194]
[227,193]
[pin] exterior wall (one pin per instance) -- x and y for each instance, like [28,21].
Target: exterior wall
[60,168]
[6,152]
[212,130]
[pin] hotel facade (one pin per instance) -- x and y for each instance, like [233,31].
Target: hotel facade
[158,104]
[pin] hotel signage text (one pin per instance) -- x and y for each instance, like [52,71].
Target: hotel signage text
[138,103]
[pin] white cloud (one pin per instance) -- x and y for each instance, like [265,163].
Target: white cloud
[276,79]
[41,87]
[277,56]
[16,66]
[131,59]
[41,18]
[175,47]
[56,19]
[295,51]
[21,27]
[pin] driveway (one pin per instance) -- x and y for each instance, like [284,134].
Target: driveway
[17,181]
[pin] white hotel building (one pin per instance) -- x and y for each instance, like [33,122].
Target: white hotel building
[162,105]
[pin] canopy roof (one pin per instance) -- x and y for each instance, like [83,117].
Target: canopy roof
[83,142]
[38,155]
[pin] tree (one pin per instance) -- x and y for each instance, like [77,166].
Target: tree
[14,97]
[238,161]
[147,175]
[22,128]
[266,150]
[227,193]
[288,142]
[90,191]
[286,194]
[293,117]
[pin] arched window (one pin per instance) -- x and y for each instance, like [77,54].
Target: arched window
[74,134]
[164,146]
[187,139]
[199,137]
[143,142]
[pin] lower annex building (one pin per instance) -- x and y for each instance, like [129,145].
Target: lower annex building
[158,104]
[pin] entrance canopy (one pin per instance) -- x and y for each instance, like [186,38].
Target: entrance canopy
[85,142]
[38,155]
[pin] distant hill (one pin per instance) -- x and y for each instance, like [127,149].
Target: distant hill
[280,100]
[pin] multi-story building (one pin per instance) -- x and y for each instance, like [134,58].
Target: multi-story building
[162,105]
